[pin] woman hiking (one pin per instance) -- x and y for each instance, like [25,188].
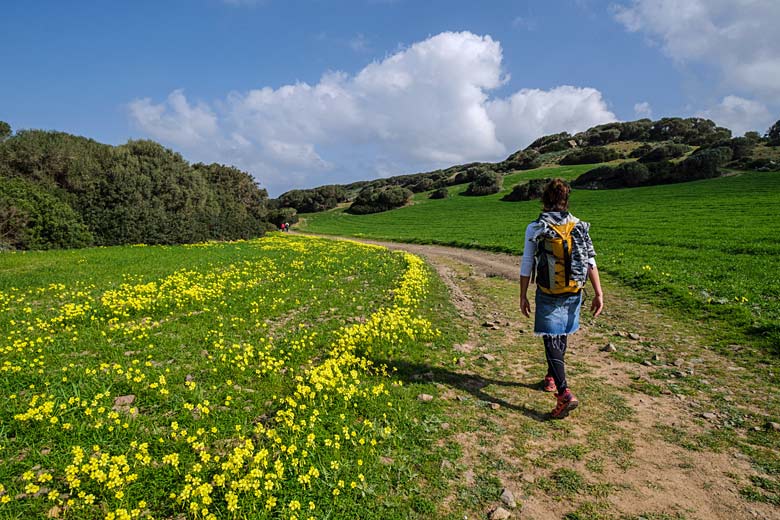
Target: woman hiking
[558,252]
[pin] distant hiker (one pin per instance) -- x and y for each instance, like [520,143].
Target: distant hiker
[559,254]
[287,226]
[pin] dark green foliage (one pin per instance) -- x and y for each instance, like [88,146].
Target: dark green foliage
[530,190]
[314,200]
[753,136]
[741,147]
[547,140]
[624,175]
[5,131]
[31,218]
[239,203]
[485,183]
[773,134]
[703,164]
[590,155]
[137,192]
[441,193]
[665,152]
[640,151]
[604,136]
[693,130]
[279,216]
[522,160]
[424,185]
[759,165]
[558,146]
[371,200]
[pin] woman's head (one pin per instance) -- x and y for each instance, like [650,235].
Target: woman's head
[556,195]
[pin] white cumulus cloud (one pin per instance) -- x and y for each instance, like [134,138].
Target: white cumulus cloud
[739,38]
[740,115]
[426,106]
[176,121]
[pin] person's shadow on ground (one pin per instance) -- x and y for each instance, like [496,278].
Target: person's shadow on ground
[472,383]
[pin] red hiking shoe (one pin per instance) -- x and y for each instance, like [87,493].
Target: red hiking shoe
[548,385]
[566,403]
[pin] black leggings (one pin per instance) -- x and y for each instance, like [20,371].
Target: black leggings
[555,349]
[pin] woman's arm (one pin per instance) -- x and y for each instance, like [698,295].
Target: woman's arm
[598,296]
[526,266]
[525,305]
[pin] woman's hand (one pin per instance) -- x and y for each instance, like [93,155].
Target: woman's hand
[525,306]
[597,305]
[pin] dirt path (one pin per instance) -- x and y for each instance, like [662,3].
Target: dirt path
[658,432]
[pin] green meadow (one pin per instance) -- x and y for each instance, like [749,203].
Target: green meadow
[709,248]
[218,380]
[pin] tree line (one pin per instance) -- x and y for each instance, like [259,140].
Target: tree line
[59,190]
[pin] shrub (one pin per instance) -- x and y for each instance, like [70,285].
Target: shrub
[441,193]
[486,183]
[773,134]
[693,130]
[704,164]
[31,218]
[602,137]
[590,155]
[522,160]
[640,151]
[530,190]
[665,152]
[625,175]
[279,216]
[371,200]
[548,140]
[312,201]
[557,146]
[423,185]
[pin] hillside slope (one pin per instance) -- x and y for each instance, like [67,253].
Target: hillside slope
[695,245]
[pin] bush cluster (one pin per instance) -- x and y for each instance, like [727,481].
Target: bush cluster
[692,131]
[521,160]
[590,155]
[441,193]
[312,201]
[529,190]
[664,152]
[376,200]
[485,183]
[773,134]
[702,164]
[87,193]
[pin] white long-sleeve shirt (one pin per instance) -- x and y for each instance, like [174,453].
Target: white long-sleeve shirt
[529,250]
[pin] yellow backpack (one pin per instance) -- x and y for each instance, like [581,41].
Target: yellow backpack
[553,261]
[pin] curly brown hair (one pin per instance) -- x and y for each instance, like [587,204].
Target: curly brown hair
[556,195]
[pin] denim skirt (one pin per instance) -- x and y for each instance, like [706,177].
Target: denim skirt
[557,315]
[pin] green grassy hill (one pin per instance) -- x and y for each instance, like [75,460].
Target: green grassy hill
[708,247]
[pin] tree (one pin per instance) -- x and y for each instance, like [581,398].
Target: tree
[773,134]
[441,193]
[5,131]
[486,183]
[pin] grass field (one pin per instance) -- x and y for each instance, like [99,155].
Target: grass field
[225,380]
[709,248]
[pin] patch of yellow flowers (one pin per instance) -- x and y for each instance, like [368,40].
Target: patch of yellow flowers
[313,444]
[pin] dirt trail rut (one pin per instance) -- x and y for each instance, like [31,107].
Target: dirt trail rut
[645,442]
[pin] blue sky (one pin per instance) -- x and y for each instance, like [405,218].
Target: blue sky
[303,93]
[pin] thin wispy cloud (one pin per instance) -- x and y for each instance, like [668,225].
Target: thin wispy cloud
[359,43]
